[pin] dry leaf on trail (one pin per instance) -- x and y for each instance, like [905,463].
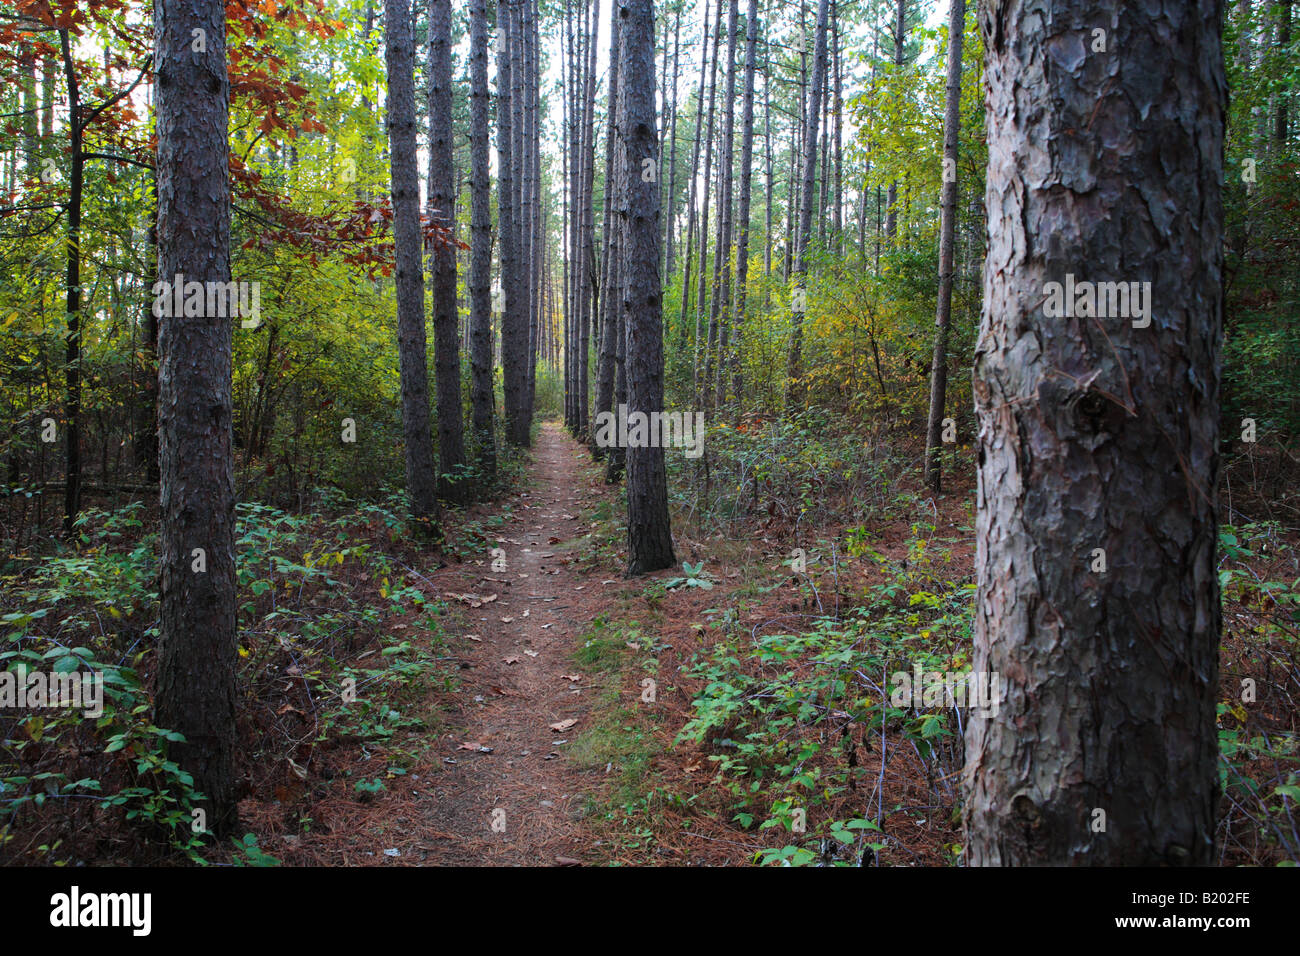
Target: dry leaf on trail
[692,768]
[531,653]
[567,861]
[506,620]
[474,637]
[552,540]
[572,677]
[562,725]
[545,626]
[512,659]
[580,587]
[475,746]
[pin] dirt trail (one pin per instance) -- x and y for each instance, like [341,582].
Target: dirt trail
[515,687]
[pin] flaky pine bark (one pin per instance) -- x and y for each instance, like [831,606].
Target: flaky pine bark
[649,538]
[446,315]
[947,221]
[195,692]
[482,398]
[1095,434]
[799,267]
[399,50]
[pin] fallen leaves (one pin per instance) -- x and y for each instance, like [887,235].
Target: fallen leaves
[562,725]
[474,600]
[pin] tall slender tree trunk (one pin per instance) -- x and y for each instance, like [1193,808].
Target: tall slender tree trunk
[588,227]
[947,225]
[482,396]
[421,480]
[72,341]
[690,191]
[196,687]
[900,59]
[1099,436]
[649,537]
[701,345]
[446,315]
[670,215]
[722,250]
[794,387]
[514,320]
[746,178]
[612,299]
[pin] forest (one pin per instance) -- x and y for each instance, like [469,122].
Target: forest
[595,433]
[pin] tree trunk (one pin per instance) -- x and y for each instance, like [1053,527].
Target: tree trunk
[72,343]
[690,191]
[514,329]
[701,347]
[1095,434]
[746,178]
[446,315]
[612,300]
[649,537]
[196,688]
[947,222]
[794,388]
[722,251]
[421,483]
[900,58]
[482,397]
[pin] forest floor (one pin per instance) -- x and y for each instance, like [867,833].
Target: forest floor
[494,788]
[519,702]
[547,751]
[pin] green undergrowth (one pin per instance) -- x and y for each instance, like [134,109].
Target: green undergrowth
[334,630]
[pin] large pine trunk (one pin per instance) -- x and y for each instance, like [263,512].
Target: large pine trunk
[195,693]
[1096,434]
[446,315]
[421,483]
[649,539]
